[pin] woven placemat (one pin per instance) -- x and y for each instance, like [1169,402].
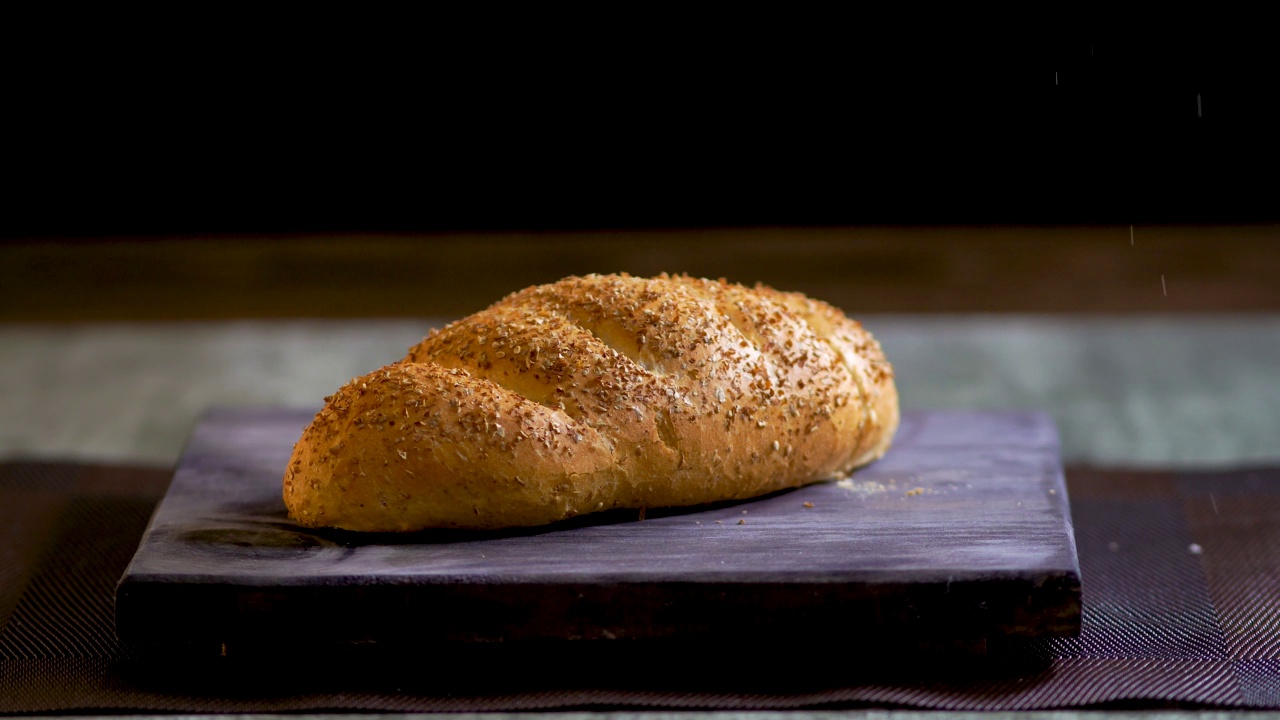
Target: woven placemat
[1181,578]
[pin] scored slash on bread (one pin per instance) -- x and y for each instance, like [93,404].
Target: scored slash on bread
[595,393]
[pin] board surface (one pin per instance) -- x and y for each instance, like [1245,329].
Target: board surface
[963,529]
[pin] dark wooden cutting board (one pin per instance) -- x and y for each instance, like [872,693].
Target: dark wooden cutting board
[962,530]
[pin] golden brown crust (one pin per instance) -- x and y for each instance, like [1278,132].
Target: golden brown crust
[598,392]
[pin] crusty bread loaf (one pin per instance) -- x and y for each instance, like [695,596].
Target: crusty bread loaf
[593,393]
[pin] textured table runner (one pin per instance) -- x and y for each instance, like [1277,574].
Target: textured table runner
[1180,571]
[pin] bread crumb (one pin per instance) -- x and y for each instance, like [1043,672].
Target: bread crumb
[915,491]
[866,487]
[808,504]
[742,522]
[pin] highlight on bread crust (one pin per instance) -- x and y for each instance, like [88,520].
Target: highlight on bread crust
[594,393]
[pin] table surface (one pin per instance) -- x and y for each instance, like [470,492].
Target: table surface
[1187,391]
[1141,390]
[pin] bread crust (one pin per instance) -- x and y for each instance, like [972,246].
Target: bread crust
[594,393]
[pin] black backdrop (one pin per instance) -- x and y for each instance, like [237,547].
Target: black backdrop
[534,124]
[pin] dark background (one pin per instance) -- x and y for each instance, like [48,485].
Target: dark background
[532,123]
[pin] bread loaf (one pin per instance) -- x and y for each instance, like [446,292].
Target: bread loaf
[595,393]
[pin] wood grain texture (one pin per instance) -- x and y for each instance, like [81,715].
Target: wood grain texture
[1094,269]
[962,530]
